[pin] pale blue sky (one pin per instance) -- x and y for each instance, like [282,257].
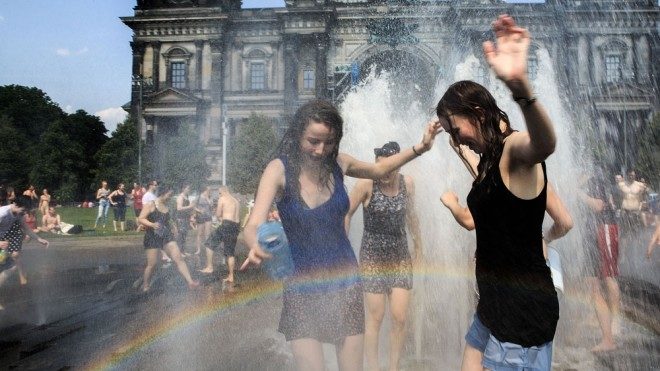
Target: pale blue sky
[76,51]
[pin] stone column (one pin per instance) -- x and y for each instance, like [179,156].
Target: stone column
[156,64]
[199,47]
[322,43]
[642,58]
[291,58]
[583,60]
[217,71]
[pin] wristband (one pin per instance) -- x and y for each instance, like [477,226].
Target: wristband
[524,102]
[416,153]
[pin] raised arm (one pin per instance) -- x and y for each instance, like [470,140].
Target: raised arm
[358,195]
[508,59]
[270,185]
[369,170]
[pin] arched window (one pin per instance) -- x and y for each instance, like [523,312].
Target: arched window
[177,60]
[257,69]
[613,59]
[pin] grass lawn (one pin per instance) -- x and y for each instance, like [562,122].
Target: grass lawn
[86,218]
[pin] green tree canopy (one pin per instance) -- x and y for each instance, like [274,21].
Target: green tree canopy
[117,159]
[13,154]
[179,159]
[31,110]
[249,152]
[64,158]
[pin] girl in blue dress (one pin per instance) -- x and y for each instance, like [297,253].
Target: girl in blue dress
[322,301]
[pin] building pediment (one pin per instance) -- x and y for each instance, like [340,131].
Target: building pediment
[171,102]
[623,96]
[173,96]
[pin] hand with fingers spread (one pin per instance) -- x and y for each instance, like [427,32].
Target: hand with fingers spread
[433,128]
[508,56]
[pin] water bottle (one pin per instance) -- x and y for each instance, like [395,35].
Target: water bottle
[272,239]
[3,256]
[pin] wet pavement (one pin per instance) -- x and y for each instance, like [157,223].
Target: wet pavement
[80,310]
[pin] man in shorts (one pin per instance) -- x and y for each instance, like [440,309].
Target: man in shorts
[227,212]
[602,253]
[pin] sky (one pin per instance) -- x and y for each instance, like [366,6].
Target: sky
[76,51]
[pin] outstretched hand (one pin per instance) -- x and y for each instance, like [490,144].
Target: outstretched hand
[433,128]
[508,57]
[255,257]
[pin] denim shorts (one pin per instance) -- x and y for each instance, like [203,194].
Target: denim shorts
[505,356]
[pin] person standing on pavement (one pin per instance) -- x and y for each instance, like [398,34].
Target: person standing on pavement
[136,195]
[227,212]
[13,229]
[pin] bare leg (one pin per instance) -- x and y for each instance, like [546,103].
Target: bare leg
[350,353]
[209,261]
[19,266]
[614,301]
[173,251]
[604,316]
[230,265]
[152,260]
[472,358]
[375,306]
[308,354]
[3,277]
[114,225]
[202,234]
[399,300]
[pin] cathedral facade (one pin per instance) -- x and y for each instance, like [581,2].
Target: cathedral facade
[209,64]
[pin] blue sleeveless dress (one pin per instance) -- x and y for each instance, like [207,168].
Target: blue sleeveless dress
[323,298]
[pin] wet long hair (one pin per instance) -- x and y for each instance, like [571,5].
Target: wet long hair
[319,111]
[467,98]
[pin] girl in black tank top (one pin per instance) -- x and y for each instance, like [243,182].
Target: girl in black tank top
[518,309]
[155,217]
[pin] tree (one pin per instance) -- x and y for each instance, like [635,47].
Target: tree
[648,154]
[179,159]
[58,161]
[13,155]
[117,159]
[249,152]
[64,158]
[31,110]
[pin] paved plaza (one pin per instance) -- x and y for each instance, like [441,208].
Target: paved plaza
[80,310]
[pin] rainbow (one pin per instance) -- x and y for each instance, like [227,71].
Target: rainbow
[250,292]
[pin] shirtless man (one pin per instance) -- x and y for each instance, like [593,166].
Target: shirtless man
[51,222]
[633,194]
[227,212]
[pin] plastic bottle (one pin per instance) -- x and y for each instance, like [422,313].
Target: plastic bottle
[3,256]
[273,240]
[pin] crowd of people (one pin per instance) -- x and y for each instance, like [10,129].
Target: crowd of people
[334,297]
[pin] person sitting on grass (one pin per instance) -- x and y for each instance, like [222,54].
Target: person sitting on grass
[51,222]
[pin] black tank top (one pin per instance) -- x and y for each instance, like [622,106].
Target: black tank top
[120,199]
[517,300]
